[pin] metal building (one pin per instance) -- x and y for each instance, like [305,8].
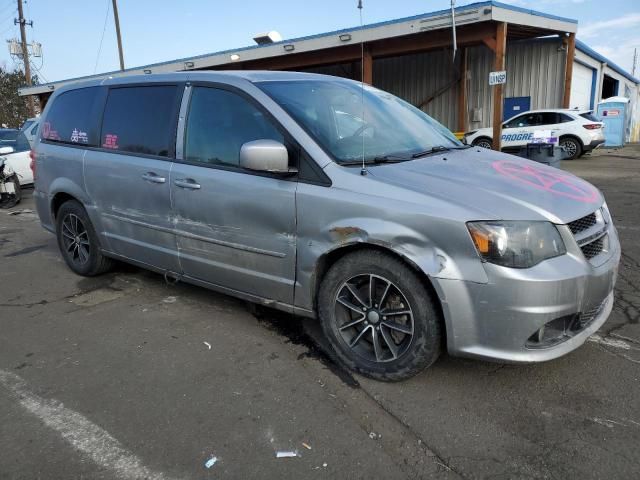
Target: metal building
[413,58]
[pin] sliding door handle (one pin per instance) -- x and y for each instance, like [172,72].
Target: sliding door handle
[187,183]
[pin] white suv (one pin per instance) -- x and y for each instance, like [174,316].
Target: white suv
[578,131]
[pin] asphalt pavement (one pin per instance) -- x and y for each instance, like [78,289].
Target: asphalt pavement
[124,376]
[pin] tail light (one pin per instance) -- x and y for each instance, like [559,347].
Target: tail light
[592,126]
[32,165]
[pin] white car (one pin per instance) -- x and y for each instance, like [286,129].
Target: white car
[578,131]
[15,170]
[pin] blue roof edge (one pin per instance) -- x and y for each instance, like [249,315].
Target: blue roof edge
[531,12]
[591,52]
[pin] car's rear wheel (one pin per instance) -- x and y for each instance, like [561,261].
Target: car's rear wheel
[378,316]
[483,142]
[572,147]
[78,241]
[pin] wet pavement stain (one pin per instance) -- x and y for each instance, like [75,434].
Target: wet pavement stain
[297,332]
[27,250]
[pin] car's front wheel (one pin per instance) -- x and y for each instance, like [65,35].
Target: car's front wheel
[78,241]
[378,316]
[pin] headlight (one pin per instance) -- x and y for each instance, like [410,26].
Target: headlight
[516,244]
[606,215]
[470,133]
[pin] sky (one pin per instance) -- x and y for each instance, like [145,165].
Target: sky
[78,37]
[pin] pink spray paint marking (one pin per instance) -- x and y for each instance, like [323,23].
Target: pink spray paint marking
[110,141]
[547,180]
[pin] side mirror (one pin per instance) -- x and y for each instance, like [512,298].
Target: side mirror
[264,156]
[6,150]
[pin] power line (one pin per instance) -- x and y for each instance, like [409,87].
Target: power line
[104,28]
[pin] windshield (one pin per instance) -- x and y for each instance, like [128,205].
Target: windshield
[332,112]
[26,125]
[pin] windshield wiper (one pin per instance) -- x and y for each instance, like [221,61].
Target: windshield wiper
[438,149]
[377,160]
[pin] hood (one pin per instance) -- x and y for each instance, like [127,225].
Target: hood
[494,185]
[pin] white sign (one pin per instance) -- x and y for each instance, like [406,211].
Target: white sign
[497,78]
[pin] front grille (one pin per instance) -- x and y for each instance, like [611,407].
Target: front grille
[590,233]
[594,248]
[582,224]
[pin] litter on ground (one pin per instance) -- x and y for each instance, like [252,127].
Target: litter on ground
[208,345]
[211,462]
[287,454]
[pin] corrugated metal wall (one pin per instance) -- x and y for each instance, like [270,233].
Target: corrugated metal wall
[418,77]
[534,69]
[414,78]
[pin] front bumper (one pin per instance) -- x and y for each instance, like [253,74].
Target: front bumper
[496,320]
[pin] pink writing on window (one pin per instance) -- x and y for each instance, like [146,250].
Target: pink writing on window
[110,141]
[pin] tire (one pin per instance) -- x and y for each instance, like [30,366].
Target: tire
[483,142]
[411,344]
[572,146]
[78,241]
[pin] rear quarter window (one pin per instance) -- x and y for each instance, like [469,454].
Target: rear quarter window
[73,117]
[589,116]
[141,119]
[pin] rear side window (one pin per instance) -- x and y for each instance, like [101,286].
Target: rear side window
[73,117]
[141,120]
[548,118]
[564,118]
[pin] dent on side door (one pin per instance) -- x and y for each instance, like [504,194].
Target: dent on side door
[237,230]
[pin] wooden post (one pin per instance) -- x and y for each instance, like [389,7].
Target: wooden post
[498,93]
[462,92]
[570,43]
[367,66]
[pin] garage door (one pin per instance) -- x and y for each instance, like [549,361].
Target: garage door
[581,86]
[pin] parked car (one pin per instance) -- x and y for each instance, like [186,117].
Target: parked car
[30,128]
[578,131]
[27,123]
[397,237]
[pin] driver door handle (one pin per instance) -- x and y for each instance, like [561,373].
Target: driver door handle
[187,183]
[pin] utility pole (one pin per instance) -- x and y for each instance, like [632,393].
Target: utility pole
[25,54]
[117,20]
[635,61]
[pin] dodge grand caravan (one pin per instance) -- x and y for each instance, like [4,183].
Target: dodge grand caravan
[325,198]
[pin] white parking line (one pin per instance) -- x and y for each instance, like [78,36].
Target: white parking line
[86,437]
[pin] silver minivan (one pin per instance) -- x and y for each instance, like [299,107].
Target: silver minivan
[330,199]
